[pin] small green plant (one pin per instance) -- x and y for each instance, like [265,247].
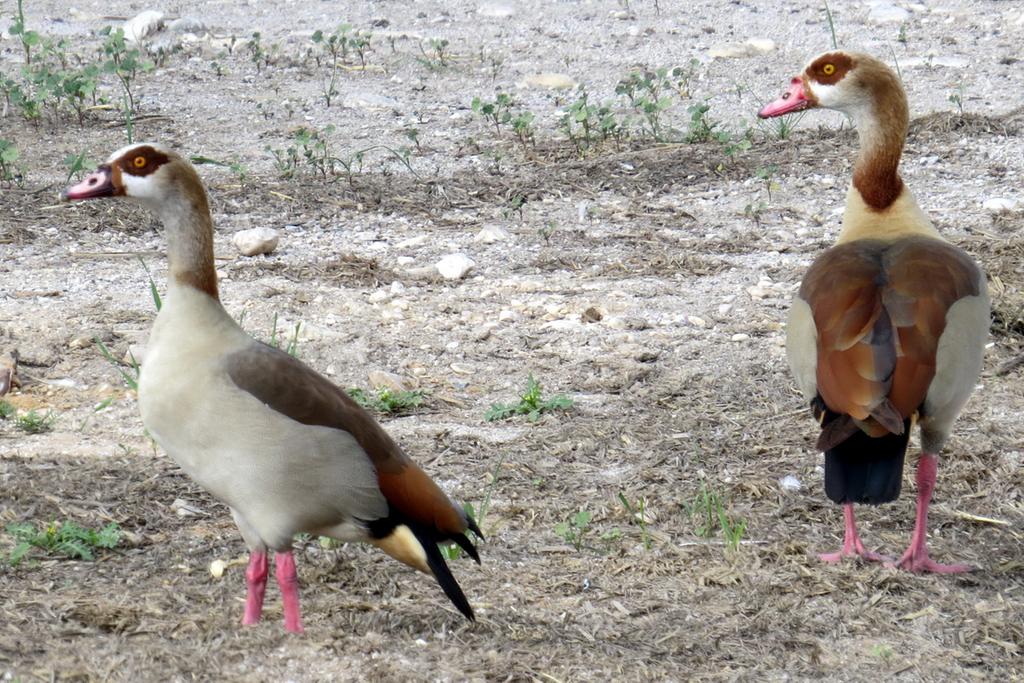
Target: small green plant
[497,112]
[76,163]
[586,123]
[336,45]
[9,172]
[34,422]
[123,62]
[638,516]
[386,400]
[702,127]
[957,98]
[235,166]
[292,349]
[522,126]
[901,37]
[439,57]
[7,409]
[131,379]
[648,93]
[452,551]
[29,39]
[882,651]
[766,175]
[67,539]
[259,56]
[311,149]
[531,404]
[708,513]
[575,528]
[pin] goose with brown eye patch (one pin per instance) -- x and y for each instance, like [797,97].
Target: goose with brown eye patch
[287,450]
[889,326]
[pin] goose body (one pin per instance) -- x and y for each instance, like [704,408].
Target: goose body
[889,326]
[281,445]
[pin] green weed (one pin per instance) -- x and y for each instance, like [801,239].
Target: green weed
[638,516]
[67,539]
[9,171]
[131,379]
[575,529]
[708,513]
[385,400]
[452,551]
[34,422]
[531,404]
[7,409]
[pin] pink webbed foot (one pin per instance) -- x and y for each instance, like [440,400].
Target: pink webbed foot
[288,580]
[256,580]
[916,559]
[852,545]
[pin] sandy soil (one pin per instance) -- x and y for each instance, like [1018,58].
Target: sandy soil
[680,386]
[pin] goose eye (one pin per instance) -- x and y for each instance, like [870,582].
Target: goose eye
[828,69]
[139,161]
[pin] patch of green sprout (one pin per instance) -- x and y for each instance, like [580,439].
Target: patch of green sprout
[9,171]
[708,513]
[292,346]
[574,529]
[7,409]
[130,379]
[76,163]
[67,539]
[587,123]
[531,404]
[452,551]
[385,400]
[637,511]
[235,166]
[35,422]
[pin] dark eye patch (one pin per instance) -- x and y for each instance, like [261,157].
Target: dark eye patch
[830,68]
[141,161]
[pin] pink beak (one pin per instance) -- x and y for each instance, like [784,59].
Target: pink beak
[99,183]
[794,99]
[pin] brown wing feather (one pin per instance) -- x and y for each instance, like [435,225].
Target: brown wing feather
[880,310]
[293,389]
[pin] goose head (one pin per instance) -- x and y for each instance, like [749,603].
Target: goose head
[851,82]
[147,172]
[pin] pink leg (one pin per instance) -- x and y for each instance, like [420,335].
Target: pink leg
[916,558]
[256,579]
[288,580]
[851,542]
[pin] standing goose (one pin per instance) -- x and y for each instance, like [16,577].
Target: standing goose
[889,326]
[278,443]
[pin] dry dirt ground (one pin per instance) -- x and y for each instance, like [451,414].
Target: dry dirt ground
[680,387]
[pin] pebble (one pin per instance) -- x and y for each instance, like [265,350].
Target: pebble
[696,321]
[187,24]
[379,379]
[455,266]
[489,234]
[749,48]
[740,337]
[549,80]
[412,242]
[255,241]
[887,13]
[142,25]
[496,10]
[368,100]
[217,568]
[999,204]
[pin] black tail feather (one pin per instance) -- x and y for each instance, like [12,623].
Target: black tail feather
[441,572]
[866,469]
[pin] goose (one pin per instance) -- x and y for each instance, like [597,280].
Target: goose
[889,326]
[283,447]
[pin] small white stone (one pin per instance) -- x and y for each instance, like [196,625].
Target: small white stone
[412,242]
[379,379]
[999,204]
[789,483]
[740,337]
[379,296]
[455,266]
[187,24]
[723,309]
[397,287]
[491,233]
[496,10]
[696,321]
[142,25]
[885,13]
[255,241]
[750,48]
[549,80]
[404,260]
[506,315]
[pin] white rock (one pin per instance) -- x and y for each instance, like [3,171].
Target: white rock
[455,266]
[412,242]
[549,80]
[789,483]
[217,568]
[142,25]
[389,380]
[696,321]
[255,241]
[740,337]
[404,260]
[491,233]
[496,10]
[750,48]
[368,100]
[187,24]
[999,204]
[886,13]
